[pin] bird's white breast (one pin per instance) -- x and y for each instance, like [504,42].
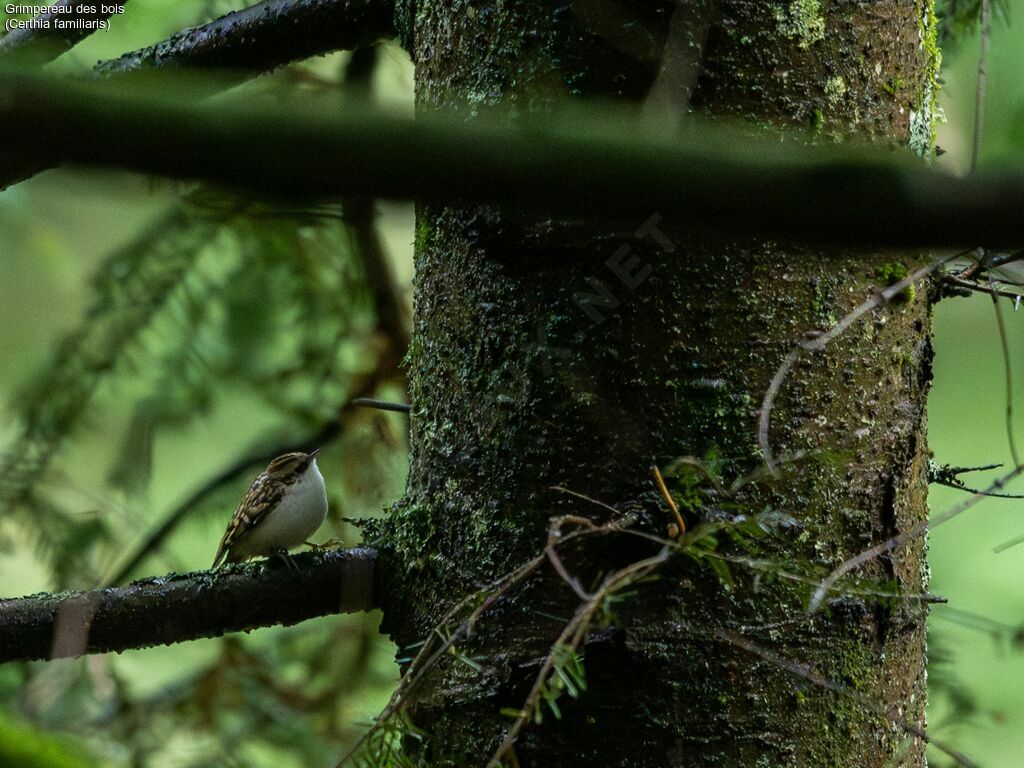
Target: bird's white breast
[296,518]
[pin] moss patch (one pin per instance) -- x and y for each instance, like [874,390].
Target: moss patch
[892,273]
[802,19]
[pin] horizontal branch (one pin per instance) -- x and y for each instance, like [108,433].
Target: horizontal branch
[619,170]
[44,41]
[266,36]
[179,607]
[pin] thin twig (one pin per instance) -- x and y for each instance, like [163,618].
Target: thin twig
[584,497]
[916,531]
[960,283]
[571,636]
[969,489]
[998,629]
[979,468]
[382,405]
[428,657]
[979,95]
[668,498]
[764,418]
[691,461]
[878,299]
[1008,373]
[559,566]
[950,477]
[1008,544]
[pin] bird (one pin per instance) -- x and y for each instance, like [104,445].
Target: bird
[283,507]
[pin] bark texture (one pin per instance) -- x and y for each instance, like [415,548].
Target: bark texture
[171,609]
[535,363]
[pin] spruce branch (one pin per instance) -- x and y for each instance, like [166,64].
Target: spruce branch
[179,607]
[132,287]
[265,36]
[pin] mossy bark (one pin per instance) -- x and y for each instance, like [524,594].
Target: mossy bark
[576,354]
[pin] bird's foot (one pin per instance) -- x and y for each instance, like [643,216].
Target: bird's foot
[284,557]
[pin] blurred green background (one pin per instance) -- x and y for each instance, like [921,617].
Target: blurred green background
[265,320]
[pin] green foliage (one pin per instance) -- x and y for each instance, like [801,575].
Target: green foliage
[567,676]
[206,307]
[130,288]
[384,747]
[892,273]
[26,747]
[274,304]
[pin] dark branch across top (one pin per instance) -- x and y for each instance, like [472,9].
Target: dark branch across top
[617,170]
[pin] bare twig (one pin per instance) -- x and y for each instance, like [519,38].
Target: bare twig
[1007,372]
[1008,544]
[979,96]
[977,287]
[572,636]
[878,299]
[700,466]
[382,405]
[963,470]
[910,534]
[764,417]
[999,630]
[584,497]
[668,498]
[559,566]
[969,489]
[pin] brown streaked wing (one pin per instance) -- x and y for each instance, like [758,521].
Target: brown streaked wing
[261,497]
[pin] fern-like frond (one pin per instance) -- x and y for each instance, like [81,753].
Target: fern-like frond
[130,287]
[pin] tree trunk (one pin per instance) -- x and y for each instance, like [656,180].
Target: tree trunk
[579,353]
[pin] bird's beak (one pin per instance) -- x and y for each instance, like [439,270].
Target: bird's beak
[314,452]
